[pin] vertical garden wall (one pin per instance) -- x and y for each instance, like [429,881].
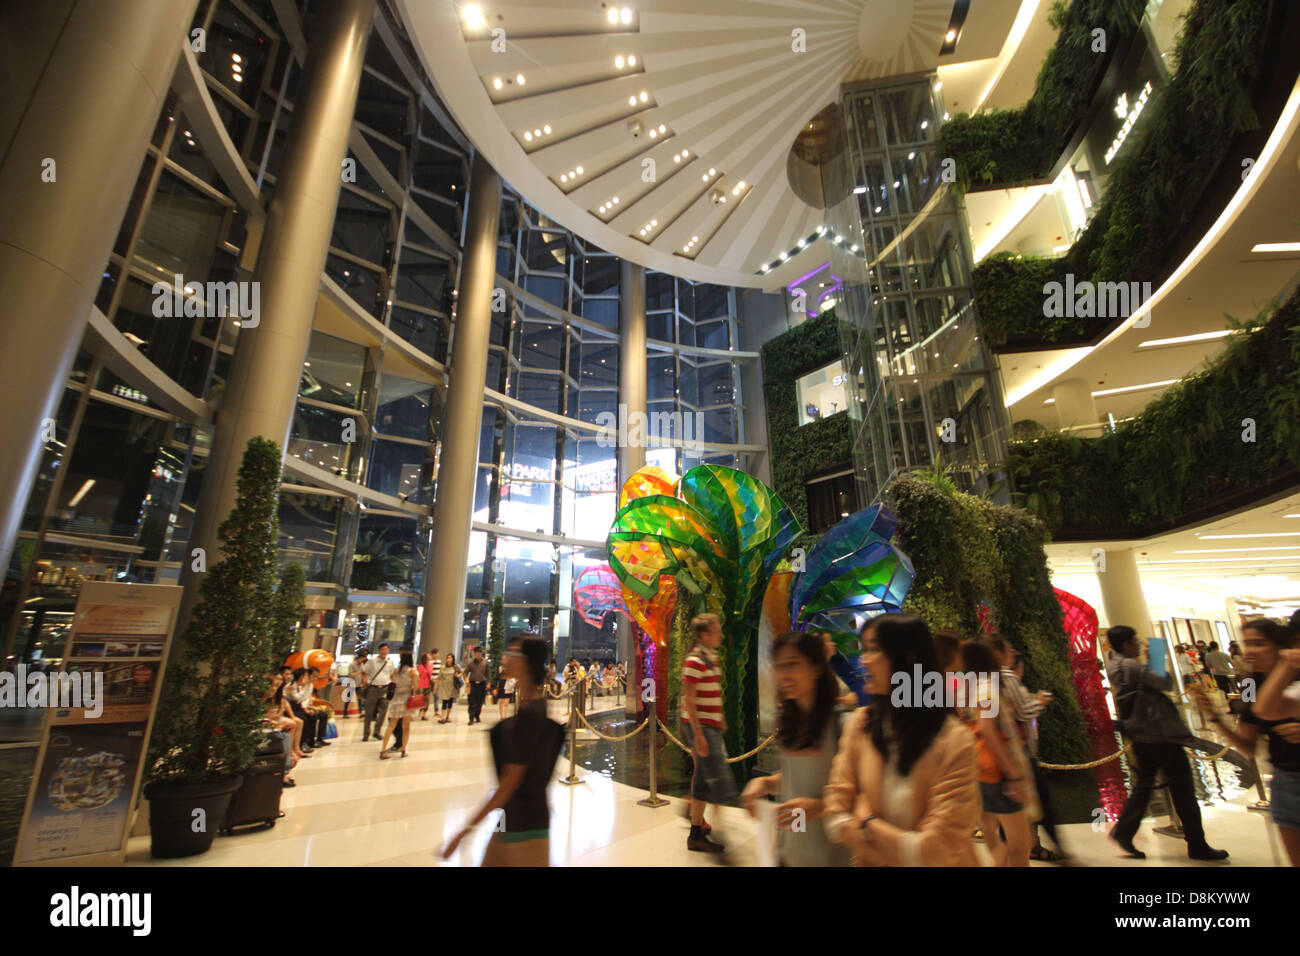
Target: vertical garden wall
[976,560]
[800,452]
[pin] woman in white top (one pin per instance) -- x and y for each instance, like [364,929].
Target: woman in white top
[406,680]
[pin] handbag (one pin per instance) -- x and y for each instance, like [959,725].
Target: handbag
[391,691]
[416,702]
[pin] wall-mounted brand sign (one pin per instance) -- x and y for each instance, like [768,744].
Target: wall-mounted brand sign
[1130,116]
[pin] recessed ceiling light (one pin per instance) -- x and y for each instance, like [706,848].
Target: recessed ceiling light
[497,84]
[911,155]
[615,200]
[237,78]
[519,78]
[236,58]
[925,124]
[602,209]
[1276,247]
[644,96]
[564,177]
[784,256]
[877,209]
[938,86]
[853,248]
[631,61]
[619,61]
[859,190]
[653,132]
[579,170]
[950,36]
[705,177]
[631,101]
[662,128]
[946,117]
[626,15]
[547,129]
[613,15]
[654,222]
[474,18]
[685,153]
[1132,388]
[712,171]
[677,157]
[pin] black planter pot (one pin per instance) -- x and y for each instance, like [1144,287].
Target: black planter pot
[171,814]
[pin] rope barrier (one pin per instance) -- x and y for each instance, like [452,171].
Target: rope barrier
[1127,747]
[638,730]
[744,756]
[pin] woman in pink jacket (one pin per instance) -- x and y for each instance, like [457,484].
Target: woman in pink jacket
[902,789]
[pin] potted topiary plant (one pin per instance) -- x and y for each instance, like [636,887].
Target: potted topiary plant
[287,612]
[209,720]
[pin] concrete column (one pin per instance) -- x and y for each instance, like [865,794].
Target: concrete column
[85,81]
[1075,406]
[632,398]
[262,389]
[1121,592]
[453,511]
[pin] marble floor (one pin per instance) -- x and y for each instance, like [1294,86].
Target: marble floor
[350,808]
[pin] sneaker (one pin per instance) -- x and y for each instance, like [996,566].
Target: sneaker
[321,743]
[1206,852]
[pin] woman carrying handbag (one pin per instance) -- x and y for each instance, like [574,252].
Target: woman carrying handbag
[405,685]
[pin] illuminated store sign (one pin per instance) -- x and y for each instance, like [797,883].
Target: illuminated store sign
[1122,109]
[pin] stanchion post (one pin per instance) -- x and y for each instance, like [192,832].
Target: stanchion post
[573,777]
[1261,805]
[652,725]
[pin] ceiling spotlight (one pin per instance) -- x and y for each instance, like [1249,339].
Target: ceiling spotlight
[528,137]
[613,15]
[784,256]
[631,101]
[615,200]
[579,170]
[662,128]
[946,117]
[705,177]
[237,78]
[685,153]
[735,191]
[631,61]
[653,132]
[686,248]
[800,243]
[564,177]
[859,190]
[547,129]
[853,248]
[538,132]
[911,155]
[626,15]
[677,157]
[712,171]
[740,185]
[602,209]
[644,96]
[474,18]
[877,209]
[925,124]
[654,222]
[519,78]
[236,58]
[938,86]
[619,61]
[497,84]
[694,239]
[950,36]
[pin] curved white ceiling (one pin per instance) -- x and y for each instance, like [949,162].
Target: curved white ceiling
[724,78]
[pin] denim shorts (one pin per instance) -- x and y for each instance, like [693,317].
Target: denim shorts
[713,781]
[1284,798]
[994,799]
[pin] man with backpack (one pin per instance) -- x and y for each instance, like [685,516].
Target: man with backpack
[1155,727]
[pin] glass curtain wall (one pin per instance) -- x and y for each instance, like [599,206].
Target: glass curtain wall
[922,389]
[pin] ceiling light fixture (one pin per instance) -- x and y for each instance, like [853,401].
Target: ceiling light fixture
[631,101]
[1181,339]
[497,84]
[631,60]
[619,61]
[626,15]
[644,96]
[519,78]
[950,36]
[859,190]
[473,15]
[613,15]
[1276,247]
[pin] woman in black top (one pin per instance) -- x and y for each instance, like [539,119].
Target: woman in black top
[524,749]
[1276,713]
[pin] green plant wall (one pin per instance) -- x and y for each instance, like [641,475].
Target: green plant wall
[799,452]
[1006,147]
[1151,198]
[1186,452]
[968,551]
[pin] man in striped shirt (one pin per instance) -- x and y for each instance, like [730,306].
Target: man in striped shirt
[712,781]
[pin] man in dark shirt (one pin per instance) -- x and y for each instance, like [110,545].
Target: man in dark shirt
[1157,732]
[476,672]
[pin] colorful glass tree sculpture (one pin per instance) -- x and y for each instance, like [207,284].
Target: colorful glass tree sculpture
[851,574]
[719,537]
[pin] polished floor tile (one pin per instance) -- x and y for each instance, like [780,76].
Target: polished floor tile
[351,808]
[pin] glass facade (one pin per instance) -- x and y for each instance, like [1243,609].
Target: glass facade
[117,488]
[921,387]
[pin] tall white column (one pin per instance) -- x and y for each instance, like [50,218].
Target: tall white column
[1121,592]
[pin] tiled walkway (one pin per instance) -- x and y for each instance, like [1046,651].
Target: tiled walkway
[350,808]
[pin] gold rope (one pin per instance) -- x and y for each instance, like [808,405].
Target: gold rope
[744,756]
[582,718]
